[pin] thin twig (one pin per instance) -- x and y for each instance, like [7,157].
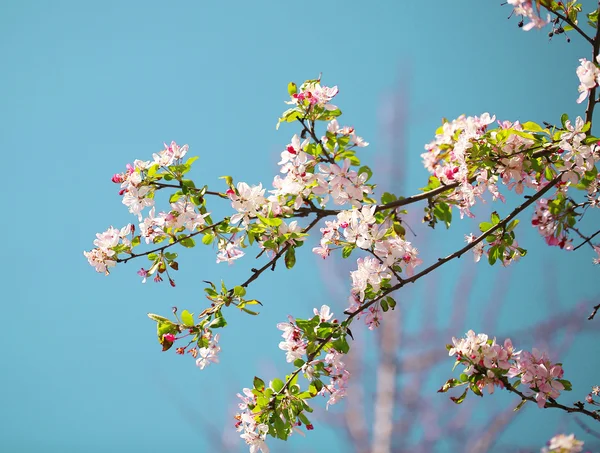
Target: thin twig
[572,24]
[161,185]
[171,244]
[596,308]
[256,272]
[587,240]
[577,407]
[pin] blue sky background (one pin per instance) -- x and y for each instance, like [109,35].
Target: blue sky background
[88,87]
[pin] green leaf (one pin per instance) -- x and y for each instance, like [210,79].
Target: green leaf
[563,119]
[208,238]
[432,183]
[279,426]
[520,405]
[531,126]
[493,255]
[512,225]
[191,160]
[259,384]
[218,322]
[346,251]
[187,242]
[298,363]
[228,180]
[391,302]
[450,383]
[461,398]
[475,389]
[187,186]
[290,257]
[317,385]
[442,211]
[239,291]
[187,318]
[274,222]
[173,198]
[292,88]
[567,384]
[484,226]
[303,419]
[367,170]
[387,198]
[324,332]
[276,385]
[152,170]
[157,318]
[341,345]
[252,302]
[384,305]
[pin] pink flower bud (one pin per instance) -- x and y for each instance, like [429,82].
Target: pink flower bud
[169,337]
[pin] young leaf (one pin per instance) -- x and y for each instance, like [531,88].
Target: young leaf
[290,257]
[187,318]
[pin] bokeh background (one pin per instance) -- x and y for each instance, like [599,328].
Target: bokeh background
[87,87]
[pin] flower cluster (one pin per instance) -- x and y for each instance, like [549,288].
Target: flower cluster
[294,344]
[342,184]
[107,245]
[209,354]
[561,443]
[247,201]
[338,374]
[252,432]
[183,215]
[589,77]
[489,365]
[577,157]
[312,93]
[448,160]
[138,186]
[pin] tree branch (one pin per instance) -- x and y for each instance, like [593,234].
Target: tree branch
[440,262]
